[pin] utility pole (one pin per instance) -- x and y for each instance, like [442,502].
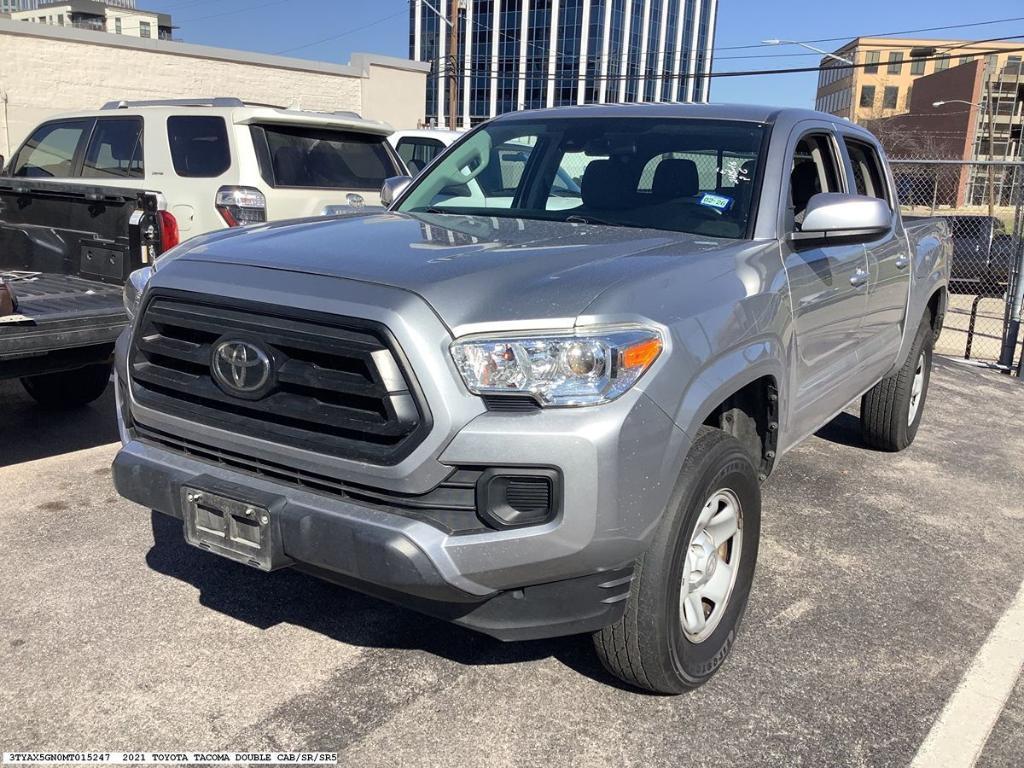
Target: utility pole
[991,148]
[453,68]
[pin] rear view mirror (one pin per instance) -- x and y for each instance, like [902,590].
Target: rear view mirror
[393,189]
[836,216]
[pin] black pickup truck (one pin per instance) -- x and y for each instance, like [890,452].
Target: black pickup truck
[983,254]
[65,252]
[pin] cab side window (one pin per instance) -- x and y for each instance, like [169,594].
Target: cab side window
[814,170]
[417,152]
[868,179]
[50,152]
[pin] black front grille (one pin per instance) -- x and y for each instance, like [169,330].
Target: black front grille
[339,385]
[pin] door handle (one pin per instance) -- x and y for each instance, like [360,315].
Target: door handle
[859,279]
[902,262]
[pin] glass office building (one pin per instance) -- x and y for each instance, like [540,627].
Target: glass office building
[527,54]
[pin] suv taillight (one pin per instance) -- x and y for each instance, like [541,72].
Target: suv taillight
[239,206]
[169,235]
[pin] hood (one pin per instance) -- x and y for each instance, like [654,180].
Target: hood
[470,269]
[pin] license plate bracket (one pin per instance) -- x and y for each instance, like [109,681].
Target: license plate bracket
[238,530]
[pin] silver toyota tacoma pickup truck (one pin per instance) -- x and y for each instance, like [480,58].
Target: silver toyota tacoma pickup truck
[538,395]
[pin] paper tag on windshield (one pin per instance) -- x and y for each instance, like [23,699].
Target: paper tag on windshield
[718,202]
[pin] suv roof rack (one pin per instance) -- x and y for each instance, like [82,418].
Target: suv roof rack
[216,101]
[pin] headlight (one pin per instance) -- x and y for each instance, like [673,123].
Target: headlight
[133,288]
[583,368]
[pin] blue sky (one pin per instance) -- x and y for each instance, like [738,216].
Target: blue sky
[330,30]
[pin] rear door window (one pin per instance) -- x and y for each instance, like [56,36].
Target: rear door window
[867,179]
[115,149]
[417,152]
[311,157]
[199,145]
[50,151]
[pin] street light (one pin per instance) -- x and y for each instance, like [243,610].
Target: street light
[826,54]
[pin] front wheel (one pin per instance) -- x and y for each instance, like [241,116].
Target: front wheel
[690,588]
[69,389]
[891,411]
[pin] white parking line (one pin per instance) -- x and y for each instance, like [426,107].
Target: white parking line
[959,735]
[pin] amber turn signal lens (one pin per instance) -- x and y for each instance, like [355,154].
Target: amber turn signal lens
[642,354]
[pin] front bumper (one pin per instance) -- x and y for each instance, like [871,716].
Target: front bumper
[382,554]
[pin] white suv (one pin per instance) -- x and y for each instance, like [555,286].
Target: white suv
[419,147]
[218,162]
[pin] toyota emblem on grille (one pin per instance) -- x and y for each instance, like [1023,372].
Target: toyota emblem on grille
[240,367]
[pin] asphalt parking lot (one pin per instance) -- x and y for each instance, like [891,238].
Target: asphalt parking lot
[880,578]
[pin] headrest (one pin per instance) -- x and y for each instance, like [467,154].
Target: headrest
[121,150]
[605,184]
[675,177]
[288,166]
[804,180]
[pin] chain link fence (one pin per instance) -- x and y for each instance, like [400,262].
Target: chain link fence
[983,205]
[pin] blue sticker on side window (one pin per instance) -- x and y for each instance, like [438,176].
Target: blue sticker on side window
[719,202]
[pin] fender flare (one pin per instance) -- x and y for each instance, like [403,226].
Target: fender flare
[728,373]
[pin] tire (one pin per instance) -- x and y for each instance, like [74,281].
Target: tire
[891,411]
[649,647]
[69,389]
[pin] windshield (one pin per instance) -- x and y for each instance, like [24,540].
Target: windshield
[686,175]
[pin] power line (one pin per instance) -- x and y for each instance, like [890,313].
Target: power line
[873,49]
[347,32]
[730,73]
[236,11]
[670,52]
[881,34]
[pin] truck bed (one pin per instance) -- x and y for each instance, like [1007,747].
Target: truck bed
[65,250]
[59,312]
[49,298]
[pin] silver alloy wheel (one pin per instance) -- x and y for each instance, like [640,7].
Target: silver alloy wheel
[916,390]
[711,566]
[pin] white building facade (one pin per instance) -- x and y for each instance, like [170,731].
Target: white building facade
[119,17]
[528,54]
[10,6]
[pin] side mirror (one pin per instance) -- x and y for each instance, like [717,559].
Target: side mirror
[2,166]
[393,188]
[837,216]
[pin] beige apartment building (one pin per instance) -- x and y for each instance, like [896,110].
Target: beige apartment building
[882,87]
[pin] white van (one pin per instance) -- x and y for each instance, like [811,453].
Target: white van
[218,162]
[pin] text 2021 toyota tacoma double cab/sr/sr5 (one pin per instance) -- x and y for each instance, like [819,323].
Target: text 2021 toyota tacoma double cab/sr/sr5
[538,395]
